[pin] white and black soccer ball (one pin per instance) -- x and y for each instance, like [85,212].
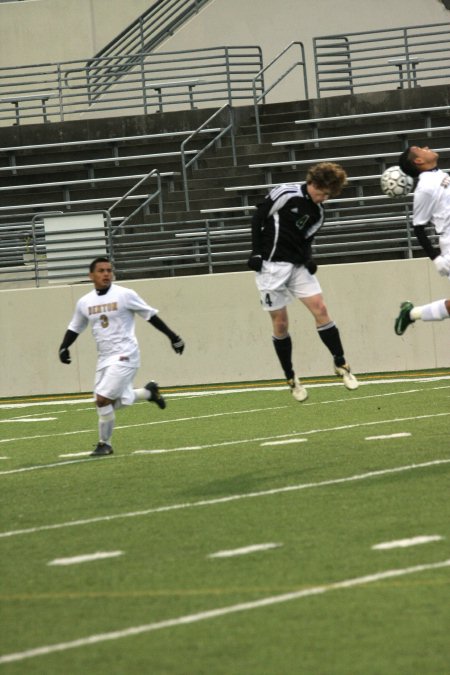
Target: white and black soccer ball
[395,182]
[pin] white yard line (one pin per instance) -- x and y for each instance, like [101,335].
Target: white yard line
[77,454]
[229,498]
[404,543]
[403,434]
[292,435]
[221,611]
[28,419]
[245,550]
[145,424]
[285,442]
[197,417]
[245,390]
[89,557]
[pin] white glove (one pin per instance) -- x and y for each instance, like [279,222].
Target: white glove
[442,265]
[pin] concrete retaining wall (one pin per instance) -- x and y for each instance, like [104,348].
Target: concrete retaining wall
[228,335]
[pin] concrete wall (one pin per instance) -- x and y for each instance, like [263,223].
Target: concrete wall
[45,31]
[228,335]
[41,31]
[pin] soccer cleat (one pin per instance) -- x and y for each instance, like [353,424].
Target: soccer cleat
[298,390]
[348,378]
[403,320]
[155,396]
[101,450]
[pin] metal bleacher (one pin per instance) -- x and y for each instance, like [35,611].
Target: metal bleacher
[172,208]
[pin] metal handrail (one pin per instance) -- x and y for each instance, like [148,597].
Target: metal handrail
[200,78]
[404,57]
[229,128]
[141,207]
[264,91]
[155,24]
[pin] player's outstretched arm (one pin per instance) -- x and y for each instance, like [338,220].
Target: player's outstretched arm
[176,341]
[68,339]
[442,264]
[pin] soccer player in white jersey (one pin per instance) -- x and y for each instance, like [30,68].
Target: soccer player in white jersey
[110,310]
[431,206]
[283,229]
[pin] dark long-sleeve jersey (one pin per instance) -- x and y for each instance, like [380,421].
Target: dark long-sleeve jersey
[284,225]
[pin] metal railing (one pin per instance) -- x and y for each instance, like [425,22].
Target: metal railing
[23,244]
[201,78]
[149,30]
[155,24]
[361,231]
[383,59]
[216,140]
[259,89]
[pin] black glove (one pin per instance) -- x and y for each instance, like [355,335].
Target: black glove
[311,266]
[177,344]
[64,355]
[255,263]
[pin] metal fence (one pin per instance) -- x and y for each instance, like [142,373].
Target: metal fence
[201,78]
[406,57]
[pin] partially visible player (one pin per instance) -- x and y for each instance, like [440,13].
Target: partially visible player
[431,206]
[110,310]
[283,229]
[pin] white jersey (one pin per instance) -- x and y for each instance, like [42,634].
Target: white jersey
[111,316]
[432,201]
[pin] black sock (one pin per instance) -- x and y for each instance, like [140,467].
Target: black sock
[283,348]
[330,337]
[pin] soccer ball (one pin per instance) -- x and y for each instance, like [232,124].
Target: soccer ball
[395,182]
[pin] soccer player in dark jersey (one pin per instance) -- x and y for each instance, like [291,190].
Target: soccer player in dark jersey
[283,230]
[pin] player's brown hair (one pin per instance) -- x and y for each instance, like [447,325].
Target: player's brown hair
[327,176]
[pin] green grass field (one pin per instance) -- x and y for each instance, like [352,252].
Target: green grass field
[237,532]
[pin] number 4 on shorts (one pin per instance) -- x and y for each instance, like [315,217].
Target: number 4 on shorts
[268,300]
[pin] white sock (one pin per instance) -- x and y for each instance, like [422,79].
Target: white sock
[106,421]
[435,311]
[142,394]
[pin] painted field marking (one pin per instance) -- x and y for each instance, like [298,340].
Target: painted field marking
[404,543]
[255,548]
[146,424]
[245,390]
[285,442]
[221,611]
[89,557]
[227,499]
[403,434]
[164,450]
[4,457]
[76,454]
[216,445]
[294,434]
[231,391]
[55,465]
[28,419]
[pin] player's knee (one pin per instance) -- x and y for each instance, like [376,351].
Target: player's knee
[101,401]
[105,411]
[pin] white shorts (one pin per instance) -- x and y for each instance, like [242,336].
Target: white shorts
[279,282]
[116,383]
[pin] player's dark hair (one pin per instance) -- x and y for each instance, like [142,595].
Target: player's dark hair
[100,259]
[406,163]
[327,176]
